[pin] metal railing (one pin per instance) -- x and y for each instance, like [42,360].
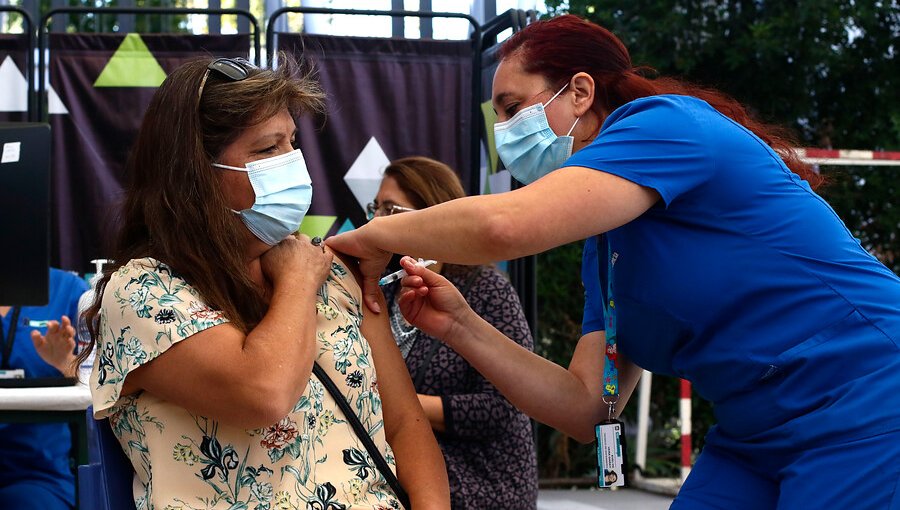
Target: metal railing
[475,38]
[161,11]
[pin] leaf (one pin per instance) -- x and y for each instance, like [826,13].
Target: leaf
[275,455]
[293,449]
[167,300]
[292,470]
[137,446]
[376,427]
[302,404]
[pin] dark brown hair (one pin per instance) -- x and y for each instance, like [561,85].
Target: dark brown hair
[174,209]
[561,47]
[425,181]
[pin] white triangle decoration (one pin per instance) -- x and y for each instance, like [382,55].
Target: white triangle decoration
[364,176]
[55,105]
[15,91]
[14,86]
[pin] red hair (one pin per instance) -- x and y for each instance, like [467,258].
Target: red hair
[561,47]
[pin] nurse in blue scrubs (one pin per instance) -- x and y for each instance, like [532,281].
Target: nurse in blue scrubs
[34,458]
[724,266]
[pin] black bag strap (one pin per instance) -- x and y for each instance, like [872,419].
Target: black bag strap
[419,376]
[363,435]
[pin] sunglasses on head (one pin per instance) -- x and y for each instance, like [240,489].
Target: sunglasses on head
[235,69]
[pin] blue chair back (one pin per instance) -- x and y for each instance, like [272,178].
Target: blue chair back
[104,483]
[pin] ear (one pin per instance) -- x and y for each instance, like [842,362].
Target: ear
[583,86]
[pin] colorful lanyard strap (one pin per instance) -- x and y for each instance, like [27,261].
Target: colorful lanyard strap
[10,337]
[611,366]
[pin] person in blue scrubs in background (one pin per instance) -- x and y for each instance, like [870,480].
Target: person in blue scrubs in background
[724,266]
[34,458]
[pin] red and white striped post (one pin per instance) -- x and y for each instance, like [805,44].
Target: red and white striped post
[685,414]
[849,157]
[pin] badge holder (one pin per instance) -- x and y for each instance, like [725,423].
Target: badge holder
[612,468]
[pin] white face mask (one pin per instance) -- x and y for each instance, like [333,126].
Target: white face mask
[527,145]
[283,195]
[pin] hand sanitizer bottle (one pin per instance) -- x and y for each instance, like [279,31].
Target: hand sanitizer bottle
[82,336]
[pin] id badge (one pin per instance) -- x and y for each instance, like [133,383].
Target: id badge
[611,467]
[15,373]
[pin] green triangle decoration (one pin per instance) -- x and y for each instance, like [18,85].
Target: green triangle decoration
[317,225]
[487,110]
[132,65]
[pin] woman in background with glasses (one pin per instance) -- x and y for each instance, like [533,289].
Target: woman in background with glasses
[487,443]
[208,325]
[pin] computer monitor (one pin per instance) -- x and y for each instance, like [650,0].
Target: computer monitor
[24,213]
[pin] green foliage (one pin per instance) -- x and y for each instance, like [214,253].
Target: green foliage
[826,69]
[863,196]
[144,24]
[561,299]
[829,69]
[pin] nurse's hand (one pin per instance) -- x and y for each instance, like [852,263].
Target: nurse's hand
[372,261]
[431,303]
[57,348]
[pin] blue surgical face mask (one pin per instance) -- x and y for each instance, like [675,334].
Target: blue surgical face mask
[283,195]
[527,145]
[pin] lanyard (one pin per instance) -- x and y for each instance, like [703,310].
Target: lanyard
[612,467]
[10,336]
[611,365]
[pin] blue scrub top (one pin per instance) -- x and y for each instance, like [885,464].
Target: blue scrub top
[593,277]
[40,452]
[744,281]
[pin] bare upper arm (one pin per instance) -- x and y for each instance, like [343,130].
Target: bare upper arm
[568,205]
[587,365]
[395,386]
[202,373]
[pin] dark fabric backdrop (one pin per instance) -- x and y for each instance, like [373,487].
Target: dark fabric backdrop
[91,142]
[413,96]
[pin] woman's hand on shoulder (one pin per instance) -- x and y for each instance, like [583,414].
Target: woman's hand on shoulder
[296,258]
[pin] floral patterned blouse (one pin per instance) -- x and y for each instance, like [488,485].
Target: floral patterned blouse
[311,459]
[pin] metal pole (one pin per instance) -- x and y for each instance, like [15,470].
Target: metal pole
[643,420]
[214,22]
[426,25]
[243,24]
[397,23]
[126,21]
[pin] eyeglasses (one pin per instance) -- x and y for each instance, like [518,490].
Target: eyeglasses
[235,69]
[384,210]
